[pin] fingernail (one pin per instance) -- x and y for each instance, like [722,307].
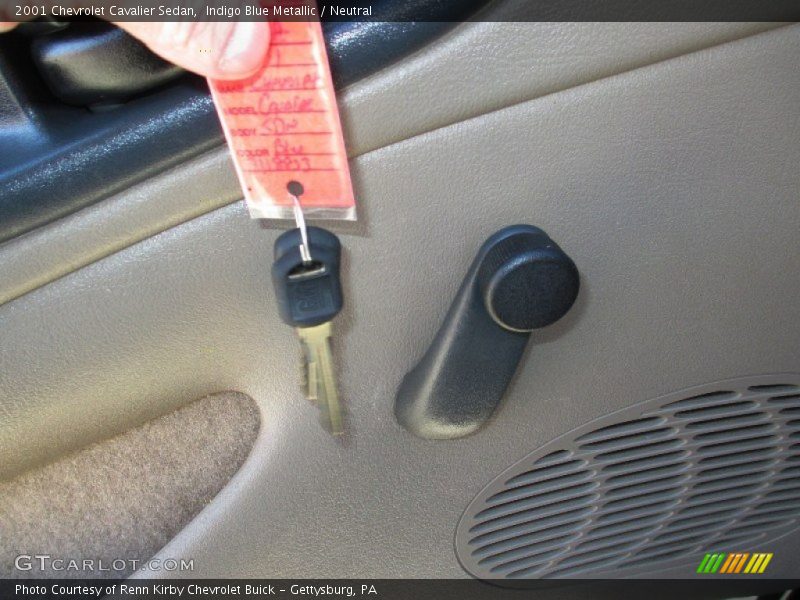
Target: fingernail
[175,33]
[244,49]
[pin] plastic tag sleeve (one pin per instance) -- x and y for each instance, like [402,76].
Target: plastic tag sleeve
[283,127]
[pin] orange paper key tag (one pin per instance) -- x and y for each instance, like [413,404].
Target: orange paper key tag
[282,126]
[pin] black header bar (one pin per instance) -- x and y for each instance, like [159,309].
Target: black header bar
[387,10]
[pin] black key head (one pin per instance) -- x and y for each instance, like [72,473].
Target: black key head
[308,294]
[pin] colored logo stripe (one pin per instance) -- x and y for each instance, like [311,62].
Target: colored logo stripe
[734,562]
[711,563]
[726,566]
[740,564]
[758,563]
[704,563]
[737,562]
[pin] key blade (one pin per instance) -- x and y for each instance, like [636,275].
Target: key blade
[331,393]
[312,381]
[317,340]
[310,368]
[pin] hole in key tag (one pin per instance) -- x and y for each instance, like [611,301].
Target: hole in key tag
[295,188]
[282,126]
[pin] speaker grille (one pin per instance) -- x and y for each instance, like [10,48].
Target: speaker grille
[647,488]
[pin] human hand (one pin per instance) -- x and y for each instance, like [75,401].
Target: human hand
[220,50]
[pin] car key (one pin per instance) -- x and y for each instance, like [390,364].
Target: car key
[307,286]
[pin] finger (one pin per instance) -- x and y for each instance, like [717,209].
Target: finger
[220,50]
[7,26]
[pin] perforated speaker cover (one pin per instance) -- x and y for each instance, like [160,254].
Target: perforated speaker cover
[647,488]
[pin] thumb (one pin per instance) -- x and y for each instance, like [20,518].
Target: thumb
[220,50]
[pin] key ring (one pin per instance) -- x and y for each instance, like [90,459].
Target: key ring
[300,221]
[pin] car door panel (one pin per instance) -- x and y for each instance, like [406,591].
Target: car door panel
[670,180]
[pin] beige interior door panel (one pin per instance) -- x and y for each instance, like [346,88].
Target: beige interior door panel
[669,177]
[438,87]
[481,67]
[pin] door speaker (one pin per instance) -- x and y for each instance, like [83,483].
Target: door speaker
[646,489]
